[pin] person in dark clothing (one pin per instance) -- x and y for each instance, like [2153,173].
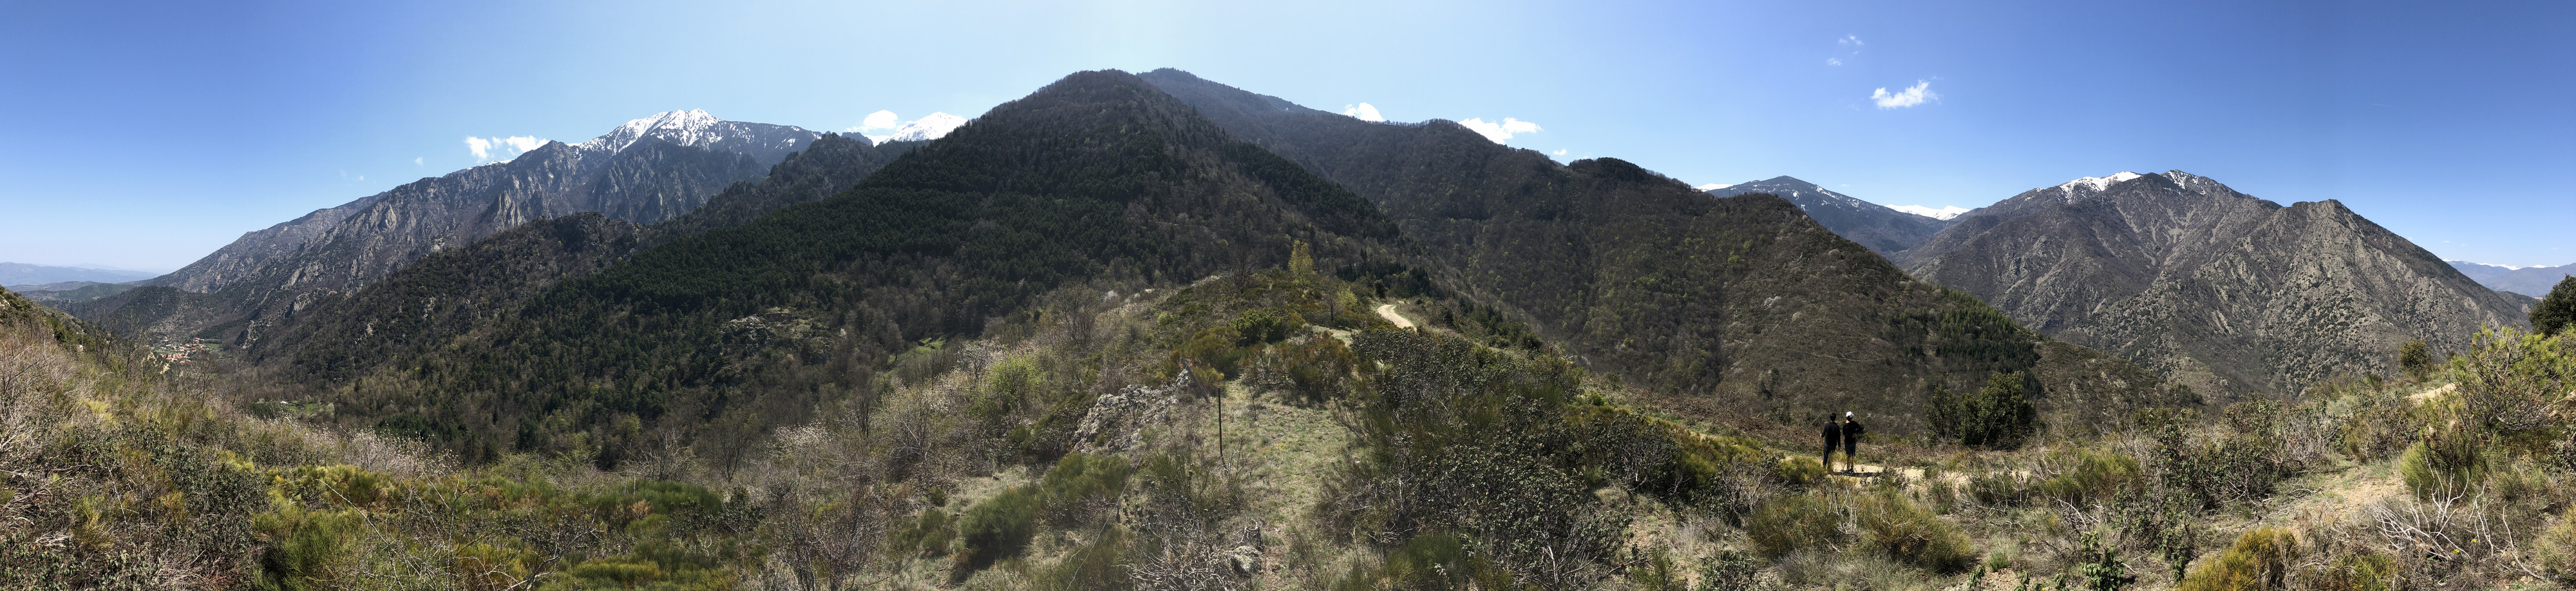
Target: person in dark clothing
[1833,433]
[1851,441]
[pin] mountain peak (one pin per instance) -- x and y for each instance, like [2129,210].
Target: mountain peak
[1945,213]
[2097,184]
[928,127]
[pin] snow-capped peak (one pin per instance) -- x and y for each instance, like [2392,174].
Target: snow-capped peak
[929,127]
[2100,182]
[687,128]
[1711,187]
[2506,267]
[1944,213]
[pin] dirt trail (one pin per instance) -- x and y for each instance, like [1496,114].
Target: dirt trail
[1388,311]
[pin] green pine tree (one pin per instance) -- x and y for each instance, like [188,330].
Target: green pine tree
[2556,311]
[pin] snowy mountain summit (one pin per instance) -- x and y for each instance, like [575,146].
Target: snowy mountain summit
[696,129]
[1945,213]
[929,127]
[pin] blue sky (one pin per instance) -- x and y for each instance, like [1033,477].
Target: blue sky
[148,134]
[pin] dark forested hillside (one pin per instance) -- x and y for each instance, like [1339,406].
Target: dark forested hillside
[1743,303]
[446,295]
[1097,178]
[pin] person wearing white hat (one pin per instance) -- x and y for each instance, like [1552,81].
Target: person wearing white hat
[1851,441]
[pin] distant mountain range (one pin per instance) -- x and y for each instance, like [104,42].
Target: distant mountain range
[23,274]
[2207,285]
[2531,281]
[645,171]
[1879,227]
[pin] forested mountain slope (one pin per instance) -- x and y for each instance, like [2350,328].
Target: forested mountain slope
[447,294]
[1743,303]
[1095,179]
[645,171]
[1876,226]
[2210,286]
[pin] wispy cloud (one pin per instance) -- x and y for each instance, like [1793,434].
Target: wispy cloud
[1560,151]
[1849,45]
[1911,96]
[1363,112]
[484,148]
[416,161]
[1500,131]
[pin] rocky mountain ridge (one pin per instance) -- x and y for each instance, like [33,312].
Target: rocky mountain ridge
[644,171]
[1738,305]
[1879,227]
[2218,289]
[2530,281]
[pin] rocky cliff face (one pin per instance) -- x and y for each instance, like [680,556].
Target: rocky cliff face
[646,171]
[2212,287]
[1876,226]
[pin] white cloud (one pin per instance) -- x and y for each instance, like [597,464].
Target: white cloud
[1850,41]
[1712,186]
[1560,151]
[1833,61]
[1363,112]
[415,161]
[881,119]
[1500,131]
[483,148]
[1915,95]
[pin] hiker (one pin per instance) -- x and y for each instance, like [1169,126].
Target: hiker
[1833,432]
[1851,441]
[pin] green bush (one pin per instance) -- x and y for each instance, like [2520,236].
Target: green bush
[998,528]
[1793,522]
[305,547]
[1798,471]
[1082,488]
[2557,549]
[2444,465]
[928,535]
[1908,532]
[2095,476]
[2557,311]
[2367,571]
[2259,560]
[2415,358]
[1730,570]
[1999,416]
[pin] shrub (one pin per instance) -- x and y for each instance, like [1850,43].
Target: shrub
[305,546]
[928,535]
[1082,488]
[1908,532]
[1791,522]
[1997,488]
[2367,571]
[2094,477]
[2557,549]
[1798,471]
[1999,416]
[2444,465]
[2259,560]
[999,527]
[2415,358]
[2557,311]
[1730,570]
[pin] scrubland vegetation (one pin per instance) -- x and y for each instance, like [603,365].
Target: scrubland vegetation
[1269,431]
